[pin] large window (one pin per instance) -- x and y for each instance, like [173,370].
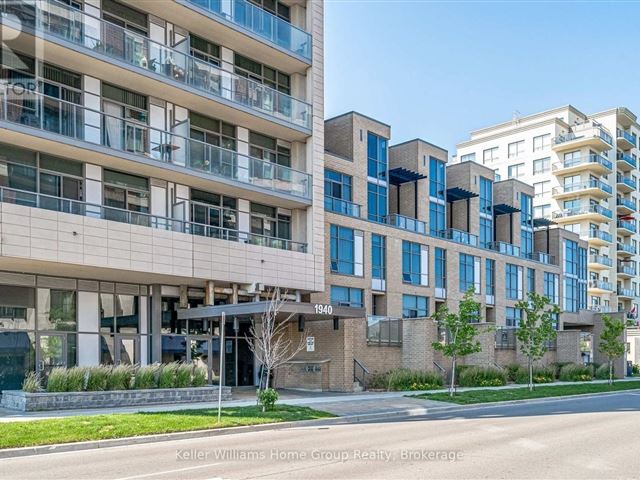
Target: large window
[516,171]
[526,223]
[441,267]
[437,179]
[513,316]
[412,263]
[376,202]
[542,188]
[125,192]
[378,257]
[204,50]
[531,280]
[267,221]
[513,280]
[542,211]
[342,250]
[490,276]
[490,155]
[269,149]
[469,157]
[119,313]
[541,165]
[214,215]
[345,296]
[486,196]
[541,142]
[575,276]
[337,185]
[258,72]
[415,306]
[437,222]
[516,149]
[376,156]
[57,310]
[486,231]
[551,284]
[469,273]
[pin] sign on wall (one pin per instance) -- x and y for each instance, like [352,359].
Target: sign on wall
[311,344]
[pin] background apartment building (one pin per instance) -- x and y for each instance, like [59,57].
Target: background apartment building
[155,156]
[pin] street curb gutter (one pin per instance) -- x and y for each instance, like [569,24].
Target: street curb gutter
[166,437]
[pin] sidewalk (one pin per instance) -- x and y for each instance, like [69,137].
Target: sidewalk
[341,404]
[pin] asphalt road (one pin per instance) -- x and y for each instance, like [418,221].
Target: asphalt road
[586,438]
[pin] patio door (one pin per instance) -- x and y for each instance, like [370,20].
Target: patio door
[127,350]
[51,353]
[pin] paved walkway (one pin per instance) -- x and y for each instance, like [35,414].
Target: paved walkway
[341,404]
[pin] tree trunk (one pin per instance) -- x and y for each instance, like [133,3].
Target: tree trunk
[266,382]
[610,372]
[530,374]
[453,377]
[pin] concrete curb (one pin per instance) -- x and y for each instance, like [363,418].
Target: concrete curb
[166,437]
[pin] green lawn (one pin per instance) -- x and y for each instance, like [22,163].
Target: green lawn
[488,396]
[100,427]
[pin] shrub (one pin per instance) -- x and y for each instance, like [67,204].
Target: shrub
[540,375]
[573,372]
[602,372]
[199,377]
[146,377]
[120,377]
[482,377]
[31,383]
[267,398]
[405,379]
[183,375]
[635,369]
[75,379]
[57,380]
[167,375]
[378,381]
[512,371]
[557,367]
[97,378]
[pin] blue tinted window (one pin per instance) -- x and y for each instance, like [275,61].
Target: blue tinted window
[376,202]
[342,250]
[376,156]
[441,267]
[437,179]
[411,262]
[378,257]
[351,297]
[414,306]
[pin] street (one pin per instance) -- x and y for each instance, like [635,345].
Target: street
[583,438]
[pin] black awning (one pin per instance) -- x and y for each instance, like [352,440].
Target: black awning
[398,176]
[456,193]
[503,209]
[543,222]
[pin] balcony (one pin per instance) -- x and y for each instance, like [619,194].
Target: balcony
[505,248]
[593,188]
[48,115]
[343,207]
[626,269]
[459,236]
[406,223]
[599,286]
[258,22]
[625,292]
[625,139]
[625,162]
[588,135]
[626,249]
[541,257]
[96,36]
[600,262]
[592,163]
[626,184]
[625,206]
[598,237]
[627,227]
[382,330]
[596,213]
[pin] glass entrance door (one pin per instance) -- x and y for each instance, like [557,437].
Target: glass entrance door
[127,350]
[199,354]
[52,352]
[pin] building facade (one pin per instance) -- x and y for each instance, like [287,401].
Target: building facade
[155,156]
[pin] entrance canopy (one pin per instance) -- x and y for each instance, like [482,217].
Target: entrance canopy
[309,311]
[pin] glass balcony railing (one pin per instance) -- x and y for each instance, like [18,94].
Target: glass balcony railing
[600,259]
[587,159]
[600,285]
[583,210]
[62,21]
[623,157]
[406,223]
[625,292]
[600,235]
[577,187]
[459,236]
[585,131]
[74,207]
[344,207]
[628,225]
[505,248]
[541,257]
[625,202]
[267,26]
[628,181]
[627,268]
[627,136]
[80,123]
[627,248]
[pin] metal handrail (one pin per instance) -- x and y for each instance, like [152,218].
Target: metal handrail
[591,158]
[406,223]
[62,21]
[36,110]
[345,207]
[361,380]
[76,207]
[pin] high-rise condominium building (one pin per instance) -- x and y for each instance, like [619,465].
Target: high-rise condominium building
[584,170]
[155,156]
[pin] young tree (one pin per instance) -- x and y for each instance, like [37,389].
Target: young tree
[536,328]
[610,344]
[269,341]
[462,334]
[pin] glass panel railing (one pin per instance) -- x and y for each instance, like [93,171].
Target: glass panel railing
[586,131]
[344,207]
[629,182]
[628,225]
[75,207]
[625,202]
[577,187]
[627,268]
[601,260]
[625,292]
[406,223]
[629,137]
[505,248]
[541,257]
[75,121]
[600,285]
[626,247]
[599,234]
[587,159]
[261,23]
[583,210]
[62,21]
[623,157]
[459,236]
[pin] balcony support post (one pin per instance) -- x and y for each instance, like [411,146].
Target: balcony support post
[209,293]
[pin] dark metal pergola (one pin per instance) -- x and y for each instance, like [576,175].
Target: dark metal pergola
[504,209]
[455,194]
[399,176]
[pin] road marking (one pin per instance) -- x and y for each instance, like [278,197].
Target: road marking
[164,472]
